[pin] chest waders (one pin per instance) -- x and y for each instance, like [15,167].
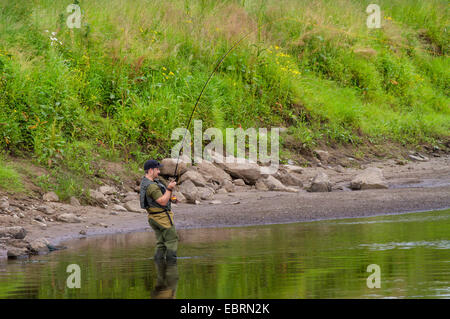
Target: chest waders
[149,203]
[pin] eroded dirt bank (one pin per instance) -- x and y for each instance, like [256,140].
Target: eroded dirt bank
[416,186]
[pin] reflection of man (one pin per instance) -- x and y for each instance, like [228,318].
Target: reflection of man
[167,280]
[156,196]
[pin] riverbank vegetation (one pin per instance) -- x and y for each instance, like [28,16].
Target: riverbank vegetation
[115,88]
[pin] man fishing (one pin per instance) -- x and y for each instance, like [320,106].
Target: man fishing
[155,196]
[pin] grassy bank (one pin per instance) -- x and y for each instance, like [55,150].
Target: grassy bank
[117,87]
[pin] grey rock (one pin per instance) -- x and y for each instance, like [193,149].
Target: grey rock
[46,210]
[68,218]
[15,252]
[131,197]
[119,208]
[239,182]
[50,197]
[229,186]
[107,190]
[370,178]
[190,191]
[195,177]
[205,193]
[320,183]
[292,169]
[98,196]
[221,191]
[289,178]
[169,165]
[74,201]
[16,232]
[322,155]
[39,246]
[134,206]
[419,157]
[274,184]
[261,186]
[213,172]
[42,225]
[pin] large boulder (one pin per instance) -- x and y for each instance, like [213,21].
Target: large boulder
[239,182]
[107,190]
[370,178]
[241,168]
[205,193]
[14,252]
[274,184]
[169,165]
[213,173]
[320,183]
[261,186]
[39,246]
[16,232]
[190,191]
[289,178]
[134,206]
[292,168]
[98,196]
[249,172]
[229,186]
[193,176]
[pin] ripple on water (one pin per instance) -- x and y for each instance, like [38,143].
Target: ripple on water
[438,244]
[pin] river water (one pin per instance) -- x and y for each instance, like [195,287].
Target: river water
[321,259]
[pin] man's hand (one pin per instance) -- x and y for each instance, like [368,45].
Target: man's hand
[171,185]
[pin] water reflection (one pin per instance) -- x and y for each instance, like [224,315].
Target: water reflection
[324,259]
[166,281]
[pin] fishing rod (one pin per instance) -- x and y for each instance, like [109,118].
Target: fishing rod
[203,89]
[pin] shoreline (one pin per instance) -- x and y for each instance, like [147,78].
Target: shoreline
[414,187]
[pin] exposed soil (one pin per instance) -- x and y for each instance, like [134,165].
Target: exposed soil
[414,186]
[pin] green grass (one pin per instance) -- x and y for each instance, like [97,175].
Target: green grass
[117,87]
[10,179]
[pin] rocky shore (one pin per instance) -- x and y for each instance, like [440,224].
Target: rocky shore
[232,194]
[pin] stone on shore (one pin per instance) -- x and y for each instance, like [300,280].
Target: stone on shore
[16,232]
[214,173]
[98,196]
[274,184]
[370,178]
[169,165]
[68,218]
[194,176]
[320,183]
[190,191]
[205,193]
[74,201]
[289,178]
[15,252]
[39,246]
[134,206]
[239,182]
[50,197]
[107,190]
